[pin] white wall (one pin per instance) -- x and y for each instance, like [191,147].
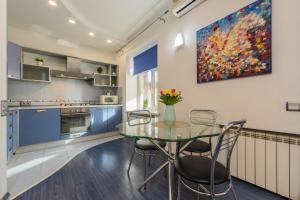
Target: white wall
[260,99]
[3,75]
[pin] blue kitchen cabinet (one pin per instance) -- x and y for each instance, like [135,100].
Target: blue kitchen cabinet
[114,117]
[39,126]
[99,120]
[12,133]
[13,61]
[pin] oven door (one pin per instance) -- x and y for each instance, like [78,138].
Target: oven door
[75,125]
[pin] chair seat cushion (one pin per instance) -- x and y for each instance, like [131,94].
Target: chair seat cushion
[197,169]
[197,146]
[146,145]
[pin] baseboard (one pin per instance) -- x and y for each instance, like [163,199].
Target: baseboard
[48,145]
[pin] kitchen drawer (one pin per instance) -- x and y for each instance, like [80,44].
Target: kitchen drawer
[10,117]
[10,129]
[9,148]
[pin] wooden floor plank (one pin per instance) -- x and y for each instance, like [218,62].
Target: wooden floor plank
[100,173]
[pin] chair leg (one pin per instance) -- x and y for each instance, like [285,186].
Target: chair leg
[178,187]
[212,192]
[131,159]
[234,193]
[198,195]
[149,161]
[145,165]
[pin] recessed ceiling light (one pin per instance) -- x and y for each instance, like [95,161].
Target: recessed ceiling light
[109,41]
[92,34]
[52,3]
[72,21]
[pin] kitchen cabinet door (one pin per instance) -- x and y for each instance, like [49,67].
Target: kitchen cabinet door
[39,126]
[99,120]
[114,117]
[12,133]
[13,61]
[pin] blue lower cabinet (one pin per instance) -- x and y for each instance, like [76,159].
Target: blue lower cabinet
[114,117]
[12,132]
[99,120]
[39,126]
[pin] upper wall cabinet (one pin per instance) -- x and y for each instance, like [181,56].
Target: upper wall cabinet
[28,64]
[14,54]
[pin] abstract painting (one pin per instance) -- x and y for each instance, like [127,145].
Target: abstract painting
[238,45]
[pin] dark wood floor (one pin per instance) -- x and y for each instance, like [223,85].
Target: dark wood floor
[100,173]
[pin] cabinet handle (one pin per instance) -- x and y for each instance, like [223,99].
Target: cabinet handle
[10,125]
[10,137]
[39,111]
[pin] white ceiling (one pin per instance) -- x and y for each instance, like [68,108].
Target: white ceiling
[117,20]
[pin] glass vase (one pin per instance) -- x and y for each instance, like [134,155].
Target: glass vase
[170,114]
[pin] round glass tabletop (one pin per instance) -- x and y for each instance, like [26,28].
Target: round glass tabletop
[178,131]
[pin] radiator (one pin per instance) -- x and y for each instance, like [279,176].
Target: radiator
[268,160]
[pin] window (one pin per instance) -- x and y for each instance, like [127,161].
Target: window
[147,90]
[145,68]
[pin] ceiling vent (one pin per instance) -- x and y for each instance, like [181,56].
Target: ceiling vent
[181,7]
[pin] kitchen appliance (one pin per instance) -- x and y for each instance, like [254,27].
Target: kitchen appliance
[181,7]
[75,122]
[109,99]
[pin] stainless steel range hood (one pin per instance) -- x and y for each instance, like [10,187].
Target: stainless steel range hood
[72,71]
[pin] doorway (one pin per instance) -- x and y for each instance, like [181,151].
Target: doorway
[3,96]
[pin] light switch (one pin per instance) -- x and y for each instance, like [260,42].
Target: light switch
[295,107]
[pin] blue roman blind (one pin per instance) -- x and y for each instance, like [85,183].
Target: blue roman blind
[145,61]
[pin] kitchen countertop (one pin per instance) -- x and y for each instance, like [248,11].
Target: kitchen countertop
[57,106]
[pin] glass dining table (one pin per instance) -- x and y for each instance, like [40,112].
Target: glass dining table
[176,132]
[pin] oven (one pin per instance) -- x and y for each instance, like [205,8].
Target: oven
[75,122]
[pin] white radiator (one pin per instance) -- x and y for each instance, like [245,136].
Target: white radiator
[268,160]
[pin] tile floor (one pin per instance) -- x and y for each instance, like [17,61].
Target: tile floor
[28,169]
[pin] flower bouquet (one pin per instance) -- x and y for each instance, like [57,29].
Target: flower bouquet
[170,98]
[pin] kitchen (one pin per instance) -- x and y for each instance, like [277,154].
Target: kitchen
[155,99]
[37,114]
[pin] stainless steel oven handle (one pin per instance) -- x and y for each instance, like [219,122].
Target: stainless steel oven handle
[41,110]
[75,114]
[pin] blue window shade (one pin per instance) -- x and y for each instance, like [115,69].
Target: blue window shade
[145,61]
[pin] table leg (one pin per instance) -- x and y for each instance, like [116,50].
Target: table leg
[153,174]
[170,172]
[170,168]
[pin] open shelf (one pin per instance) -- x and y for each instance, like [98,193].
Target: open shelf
[35,73]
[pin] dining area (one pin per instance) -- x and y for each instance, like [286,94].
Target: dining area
[191,148]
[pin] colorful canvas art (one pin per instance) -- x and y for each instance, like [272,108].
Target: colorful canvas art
[238,45]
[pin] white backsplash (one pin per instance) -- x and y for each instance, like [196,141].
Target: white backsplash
[58,89]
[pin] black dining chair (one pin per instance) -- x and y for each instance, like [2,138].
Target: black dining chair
[201,117]
[205,171]
[142,146]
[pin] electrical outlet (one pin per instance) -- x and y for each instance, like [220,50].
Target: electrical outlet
[293,107]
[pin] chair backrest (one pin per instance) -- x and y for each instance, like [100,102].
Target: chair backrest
[226,141]
[203,117]
[138,117]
